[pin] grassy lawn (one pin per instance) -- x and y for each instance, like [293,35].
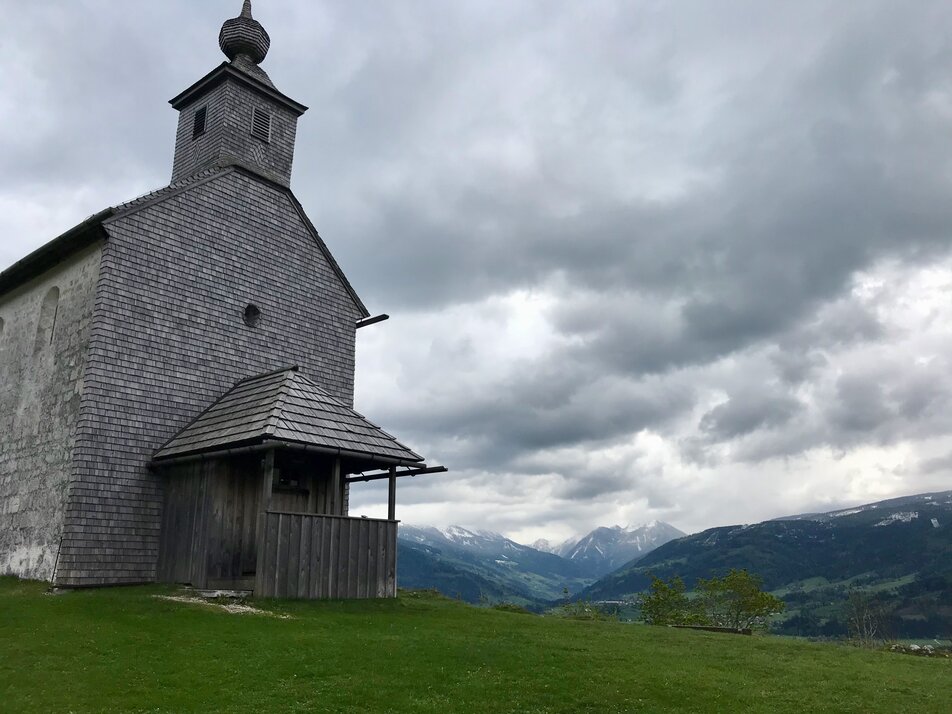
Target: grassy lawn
[126,650]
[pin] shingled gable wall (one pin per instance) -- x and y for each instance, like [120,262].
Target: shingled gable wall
[168,339]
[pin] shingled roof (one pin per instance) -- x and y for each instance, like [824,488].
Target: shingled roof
[285,407]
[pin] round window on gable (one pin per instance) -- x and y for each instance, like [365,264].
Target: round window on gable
[252,315]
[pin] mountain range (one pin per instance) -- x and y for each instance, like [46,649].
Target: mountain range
[481,565]
[899,551]
[607,549]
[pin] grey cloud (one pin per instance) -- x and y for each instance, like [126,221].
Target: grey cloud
[483,429]
[695,185]
[938,464]
[744,414]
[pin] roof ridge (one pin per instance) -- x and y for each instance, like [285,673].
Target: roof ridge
[289,368]
[162,192]
[277,411]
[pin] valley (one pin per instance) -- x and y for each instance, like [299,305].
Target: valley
[897,554]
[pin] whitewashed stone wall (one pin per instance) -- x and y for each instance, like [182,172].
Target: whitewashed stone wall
[42,357]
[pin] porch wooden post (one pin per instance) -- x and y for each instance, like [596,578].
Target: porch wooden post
[392,494]
[337,490]
[267,486]
[267,479]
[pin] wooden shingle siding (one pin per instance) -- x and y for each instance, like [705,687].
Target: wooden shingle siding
[167,339]
[306,556]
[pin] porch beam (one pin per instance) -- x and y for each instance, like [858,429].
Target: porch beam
[337,489]
[399,474]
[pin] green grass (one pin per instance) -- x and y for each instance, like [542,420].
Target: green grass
[124,650]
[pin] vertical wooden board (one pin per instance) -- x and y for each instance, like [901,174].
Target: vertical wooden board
[380,569]
[314,559]
[327,558]
[249,518]
[304,558]
[354,558]
[237,519]
[166,534]
[385,573]
[334,564]
[369,587]
[184,525]
[255,489]
[352,561]
[260,579]
[373,548]
[343,559]
[294,554]
[356,552]
[214,546]
[363,555]
[273,544]
[340,571]
[199,552]
[188,495]
[219,550]
[391,559]
[318,541]
[284,548]
[261,566]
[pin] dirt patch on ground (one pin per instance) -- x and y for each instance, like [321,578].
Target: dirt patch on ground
[233,608]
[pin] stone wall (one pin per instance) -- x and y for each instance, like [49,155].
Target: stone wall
[43,343]
[169,338]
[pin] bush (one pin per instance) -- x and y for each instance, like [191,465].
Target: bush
[511,607]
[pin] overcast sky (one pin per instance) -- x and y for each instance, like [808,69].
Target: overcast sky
[679,260]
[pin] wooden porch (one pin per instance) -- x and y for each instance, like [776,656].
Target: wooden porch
[275,523]
[257,495]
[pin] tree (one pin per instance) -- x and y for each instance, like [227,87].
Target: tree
[865,619]
[665,603]
[737,601]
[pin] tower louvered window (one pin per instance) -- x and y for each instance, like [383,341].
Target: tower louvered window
[261,124]
[198,128]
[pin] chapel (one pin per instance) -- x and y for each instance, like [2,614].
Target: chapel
[177,375]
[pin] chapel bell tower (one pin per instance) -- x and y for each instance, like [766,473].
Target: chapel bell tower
[234,115]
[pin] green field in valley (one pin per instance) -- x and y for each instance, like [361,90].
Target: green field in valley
[130,650]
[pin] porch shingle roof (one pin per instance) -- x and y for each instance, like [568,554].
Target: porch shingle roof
[283,406]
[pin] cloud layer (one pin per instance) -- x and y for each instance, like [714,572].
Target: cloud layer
[645,260]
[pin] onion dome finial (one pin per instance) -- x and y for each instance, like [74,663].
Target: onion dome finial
[244,35]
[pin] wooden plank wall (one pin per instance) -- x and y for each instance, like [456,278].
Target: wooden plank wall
[233,496]
[184,526]
[209,524]
[326,557]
